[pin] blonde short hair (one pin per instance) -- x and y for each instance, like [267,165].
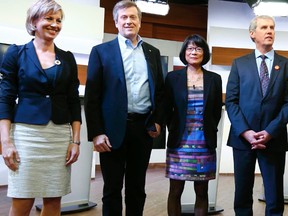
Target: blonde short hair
[39,9]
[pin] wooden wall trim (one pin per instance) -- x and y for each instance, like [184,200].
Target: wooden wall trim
[82,74]
[225,55]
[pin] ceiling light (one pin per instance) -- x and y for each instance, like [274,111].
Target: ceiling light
[153,6]
[266,7]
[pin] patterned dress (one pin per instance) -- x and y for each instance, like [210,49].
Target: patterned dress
[192,160]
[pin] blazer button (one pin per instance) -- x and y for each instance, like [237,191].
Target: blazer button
[47,96]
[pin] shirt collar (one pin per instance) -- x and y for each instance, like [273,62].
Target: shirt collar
[269,55]
[124,42]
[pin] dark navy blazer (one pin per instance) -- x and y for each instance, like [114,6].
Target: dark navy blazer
[38,100]
[246,107]
[176,101]
[105,100]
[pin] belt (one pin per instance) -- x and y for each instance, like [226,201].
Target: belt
[136,116]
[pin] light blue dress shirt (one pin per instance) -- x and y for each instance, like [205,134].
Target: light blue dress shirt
[269,60]
[136,75]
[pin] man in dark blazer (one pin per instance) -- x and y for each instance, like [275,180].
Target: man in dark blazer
[258,120]
[123,96]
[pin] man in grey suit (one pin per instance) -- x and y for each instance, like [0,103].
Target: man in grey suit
[123,96]
[258,116]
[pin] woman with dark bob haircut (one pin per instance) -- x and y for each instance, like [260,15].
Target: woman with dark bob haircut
[193,99]
[198,41]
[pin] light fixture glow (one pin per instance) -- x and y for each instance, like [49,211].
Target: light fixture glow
[271,8]
[153,7]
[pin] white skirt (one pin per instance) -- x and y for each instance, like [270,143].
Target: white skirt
[42,150]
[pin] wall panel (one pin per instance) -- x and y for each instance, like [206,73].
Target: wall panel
[226,55]
[181,21]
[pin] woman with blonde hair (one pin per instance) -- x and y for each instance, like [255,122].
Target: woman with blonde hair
[40,114]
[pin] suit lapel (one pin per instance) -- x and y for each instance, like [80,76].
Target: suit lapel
[151,73]
[114,52]
[252,69]
[31,53]
[206,86]
[276,68]
[251,62]
[181,86]
[60,68]
[148,55]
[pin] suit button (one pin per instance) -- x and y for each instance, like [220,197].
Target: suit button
[47,96]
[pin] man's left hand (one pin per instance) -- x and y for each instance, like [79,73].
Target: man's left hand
[156,133]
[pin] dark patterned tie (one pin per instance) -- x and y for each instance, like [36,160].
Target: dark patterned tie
[264,75]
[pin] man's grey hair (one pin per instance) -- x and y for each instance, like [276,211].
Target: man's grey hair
[253,23]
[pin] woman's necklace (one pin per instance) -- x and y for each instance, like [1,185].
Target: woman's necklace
[194,80]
